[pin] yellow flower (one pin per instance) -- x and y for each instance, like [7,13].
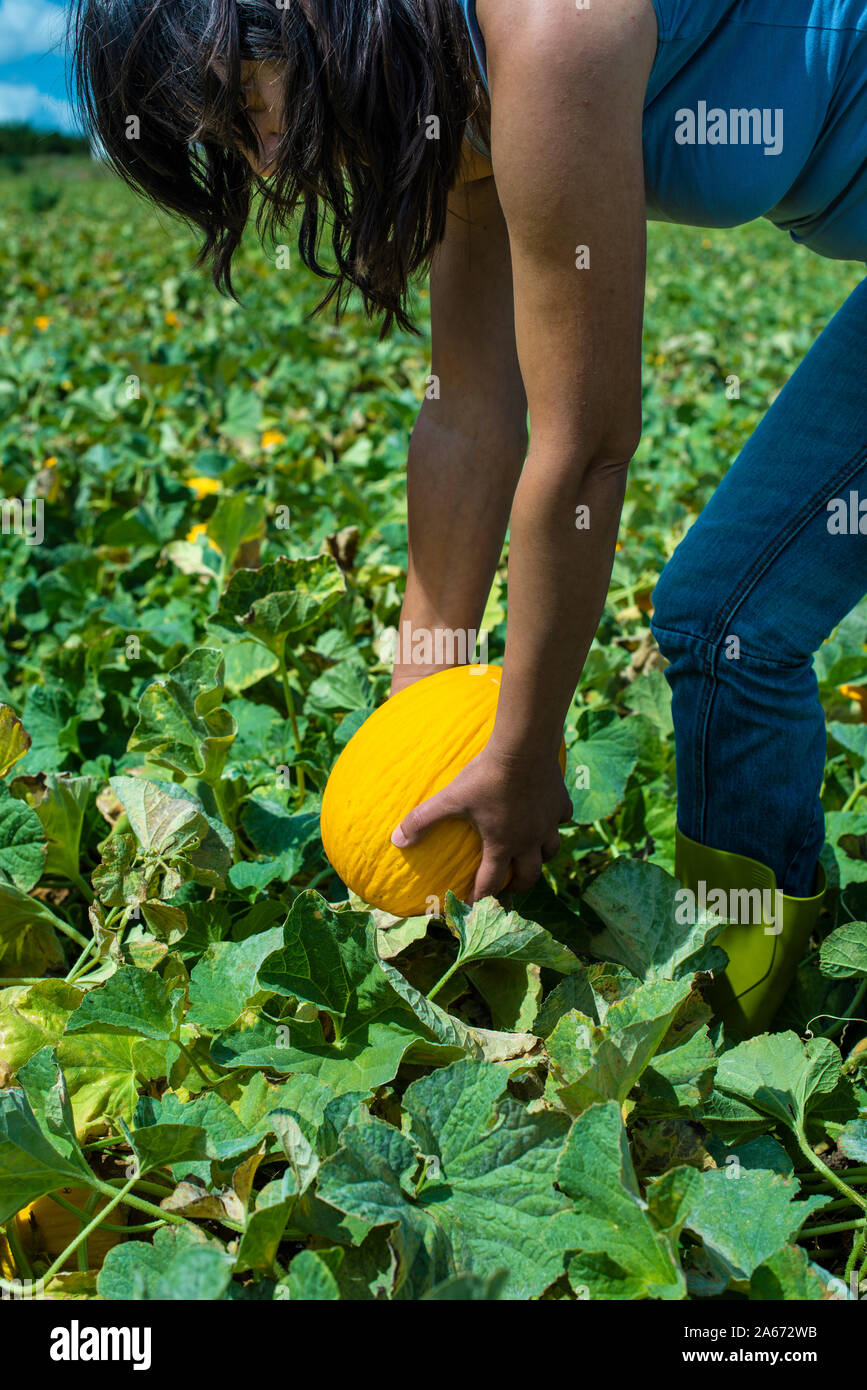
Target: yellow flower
[203,487]
[50,462]
[172,320]
[271,438]
[67,384]
[4,332]
[201,530]
[707,244]
[42,323]
[859,693]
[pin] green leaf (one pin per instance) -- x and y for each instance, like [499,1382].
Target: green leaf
[246,664]
[168,924]
[303,1159]
[679,1078]
[165,1145]
[746,1216]
[328,960]
[33,1018]
[852,737]
[591,990]
[14,740]
[163,823]
[223,982]
[22,842]
[28,943]
[486,932]
[650,695]
[242,413]
[852,1140]
[135,1001]
[278,834]
[273,830]
[182,1265]
[591,1063]
[60,801]
[182,721]
[789,1275]
[625,1247]
[45,1087]
[30,1165]
[260,1241]
[118,881]
[236,519]
[638,905]
[844,952]
[779,1075]
[280,599]
[310,1279]
[52,724]
[104,1071]
[465,1288]
[488,1189]
[229,1138]
[345,686]
[598,769]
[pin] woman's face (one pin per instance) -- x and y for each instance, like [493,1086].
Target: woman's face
[263,104]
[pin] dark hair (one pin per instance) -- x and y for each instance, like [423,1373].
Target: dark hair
[362,78]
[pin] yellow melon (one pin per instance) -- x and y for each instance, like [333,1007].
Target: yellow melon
[46,1228]
[409,749]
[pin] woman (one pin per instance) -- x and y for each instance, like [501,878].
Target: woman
[708,112]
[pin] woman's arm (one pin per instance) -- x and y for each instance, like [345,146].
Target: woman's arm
[567,97]
[568,91]
[468,446]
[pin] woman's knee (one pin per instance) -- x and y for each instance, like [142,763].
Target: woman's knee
[683,604]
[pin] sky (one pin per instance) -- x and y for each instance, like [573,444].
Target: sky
[33,69]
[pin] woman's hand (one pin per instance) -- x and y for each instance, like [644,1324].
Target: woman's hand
[515,803]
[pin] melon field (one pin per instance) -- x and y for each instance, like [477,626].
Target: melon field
[223,1076]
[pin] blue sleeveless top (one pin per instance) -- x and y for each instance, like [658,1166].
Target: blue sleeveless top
[756,108]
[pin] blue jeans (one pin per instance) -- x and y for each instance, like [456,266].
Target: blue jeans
[756,585]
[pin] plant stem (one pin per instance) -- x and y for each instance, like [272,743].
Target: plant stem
[857,1247]
[208,1080]
[22,1264]
[85,1215]
[225,816]
[80,964]
[10,981]
[82,885]
[317,879]
[290,711]
[453,968]
[81,1252]
[830,1176]
[146,1185]
[138,1202]
[86,1231]
[832,1228]
[850,801]
[607,839]
[852,1175]
[845,1017]
[69,931]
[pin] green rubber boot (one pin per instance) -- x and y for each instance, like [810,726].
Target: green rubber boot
[762,963]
